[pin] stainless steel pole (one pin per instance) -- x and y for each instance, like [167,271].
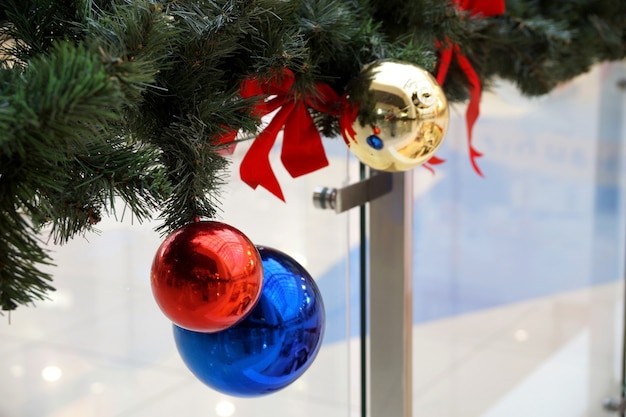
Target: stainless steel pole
[391,299]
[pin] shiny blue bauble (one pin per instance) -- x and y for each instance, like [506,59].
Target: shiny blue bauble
[272,346]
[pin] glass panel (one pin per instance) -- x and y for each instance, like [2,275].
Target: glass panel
[325,243]
[519,276]
[101,346]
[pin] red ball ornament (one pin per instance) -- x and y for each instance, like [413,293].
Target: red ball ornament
[207,276]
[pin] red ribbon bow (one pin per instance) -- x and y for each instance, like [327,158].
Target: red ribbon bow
[302,151]
[475,7]
[482,7]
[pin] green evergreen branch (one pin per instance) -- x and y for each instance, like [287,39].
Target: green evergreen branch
[21,259]
[196,171]
[109,100]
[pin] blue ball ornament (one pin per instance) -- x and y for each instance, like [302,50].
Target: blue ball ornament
[272,346]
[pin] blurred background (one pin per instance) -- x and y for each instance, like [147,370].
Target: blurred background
[518,281]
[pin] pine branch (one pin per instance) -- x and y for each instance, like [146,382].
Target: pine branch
[195,169]
[21,259]
[103,172]
[102,100]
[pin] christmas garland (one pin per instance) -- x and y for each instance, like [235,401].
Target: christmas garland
[136,99]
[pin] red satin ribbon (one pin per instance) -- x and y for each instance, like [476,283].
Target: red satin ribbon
[227,140]
[302,151]
[473,107]
[434,160]
[482,7]
[449,49]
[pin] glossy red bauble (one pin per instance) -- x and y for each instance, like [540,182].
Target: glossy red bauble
[206,276]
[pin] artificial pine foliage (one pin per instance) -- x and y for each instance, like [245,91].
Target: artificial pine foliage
[106,99]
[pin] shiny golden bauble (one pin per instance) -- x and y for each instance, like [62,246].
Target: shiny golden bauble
[402,119]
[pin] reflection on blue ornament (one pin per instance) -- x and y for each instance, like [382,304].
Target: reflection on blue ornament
[375,142]
[271,347]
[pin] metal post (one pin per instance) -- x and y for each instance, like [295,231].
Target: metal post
[390,285]
[391,300]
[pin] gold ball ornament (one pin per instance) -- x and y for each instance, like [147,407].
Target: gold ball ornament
[402,116]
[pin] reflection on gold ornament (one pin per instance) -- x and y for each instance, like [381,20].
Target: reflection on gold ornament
[402,116]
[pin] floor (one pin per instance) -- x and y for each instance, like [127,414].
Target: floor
[519,293]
